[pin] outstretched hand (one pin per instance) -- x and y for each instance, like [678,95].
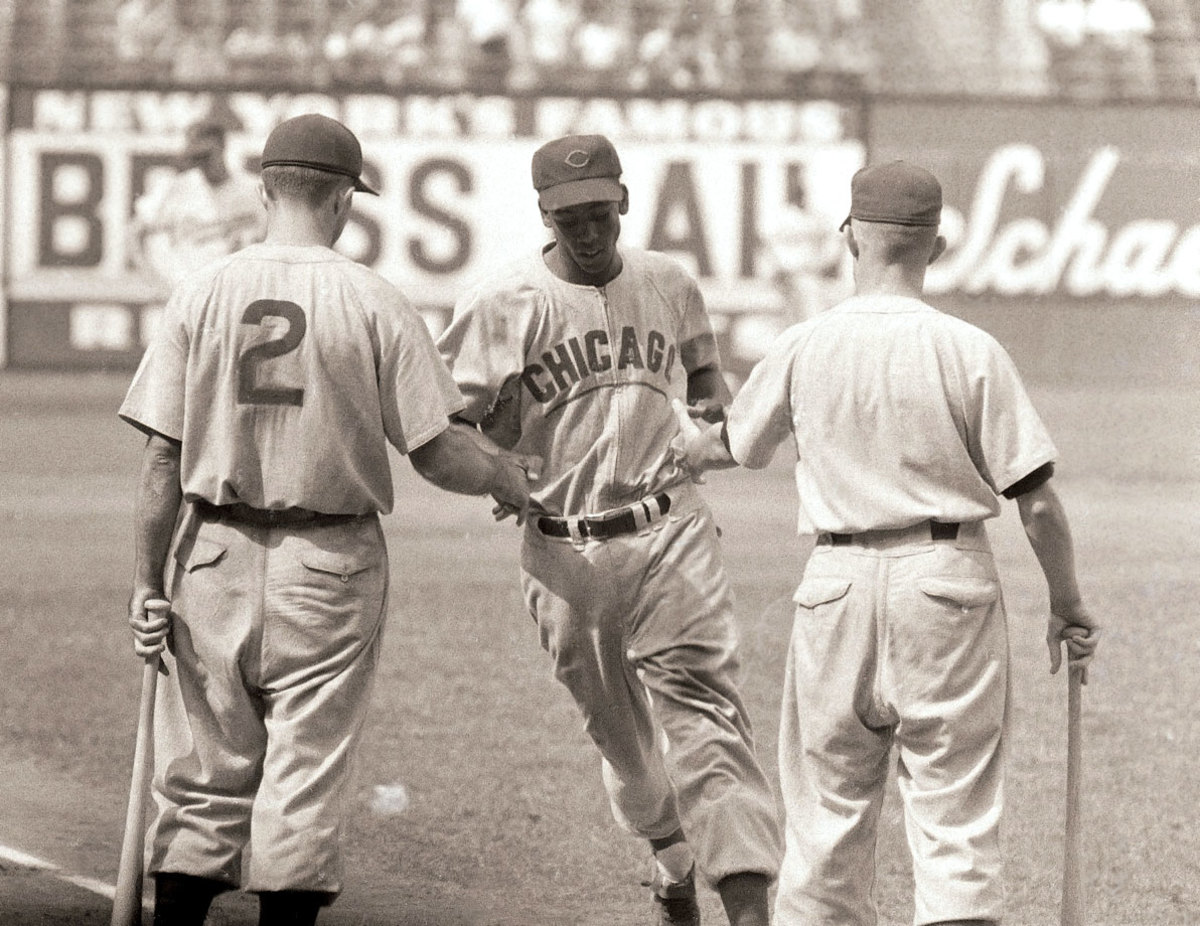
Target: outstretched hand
[515,473]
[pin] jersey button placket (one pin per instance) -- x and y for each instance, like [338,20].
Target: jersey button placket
[614,342]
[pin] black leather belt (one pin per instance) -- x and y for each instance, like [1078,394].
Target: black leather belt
[605,526]
[239,513]
[938,530]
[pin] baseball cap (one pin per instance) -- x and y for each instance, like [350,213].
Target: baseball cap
[897,193]
[577,169]
[316,141]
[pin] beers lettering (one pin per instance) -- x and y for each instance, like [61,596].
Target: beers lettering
[1079,255]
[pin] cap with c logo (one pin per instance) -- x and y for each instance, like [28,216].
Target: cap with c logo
[577,169]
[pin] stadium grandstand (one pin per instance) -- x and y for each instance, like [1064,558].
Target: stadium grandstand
[1087,49]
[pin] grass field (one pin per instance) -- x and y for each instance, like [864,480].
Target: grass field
[506,821]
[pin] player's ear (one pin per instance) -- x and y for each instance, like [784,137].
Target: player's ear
[851,241]
[545,217]
[262,193]
[343,199]
[623,206]
[939,247]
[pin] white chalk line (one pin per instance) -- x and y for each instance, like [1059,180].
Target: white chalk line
[25,860]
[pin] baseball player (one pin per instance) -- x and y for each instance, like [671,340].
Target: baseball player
[908,425]
[270,393]
[573,355]
[203,213]
[807,262]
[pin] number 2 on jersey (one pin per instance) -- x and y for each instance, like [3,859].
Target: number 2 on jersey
[248,390]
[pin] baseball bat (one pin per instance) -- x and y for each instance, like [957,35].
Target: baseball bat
[1072,888]
[127,900]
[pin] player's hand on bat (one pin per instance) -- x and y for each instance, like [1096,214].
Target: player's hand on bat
[150,620]
[1073,626]
[516,473]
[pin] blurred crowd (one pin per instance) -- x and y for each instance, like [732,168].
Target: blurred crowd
[503,44]
[1099,48]
[1078,48]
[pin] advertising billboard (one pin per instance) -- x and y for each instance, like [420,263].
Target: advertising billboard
[1073,231]
[710,181]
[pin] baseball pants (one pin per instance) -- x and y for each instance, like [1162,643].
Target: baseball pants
[899,640]
[642,633]
[276,636]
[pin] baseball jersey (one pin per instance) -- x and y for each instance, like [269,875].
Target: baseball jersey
[900,414]
[286,371]
[583,376]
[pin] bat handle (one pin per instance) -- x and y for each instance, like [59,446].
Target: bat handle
[1072,896]
[127,898]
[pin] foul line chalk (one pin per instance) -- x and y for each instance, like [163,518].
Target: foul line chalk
[24,860]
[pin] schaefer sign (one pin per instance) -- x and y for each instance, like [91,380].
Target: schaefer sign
[708,181]
[1073,231]
[1092,202]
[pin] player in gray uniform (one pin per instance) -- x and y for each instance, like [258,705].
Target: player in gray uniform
[206,211]
[573,355]
[908,424]
[273,387]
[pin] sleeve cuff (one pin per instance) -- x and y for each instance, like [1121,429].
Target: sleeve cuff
[1026,484]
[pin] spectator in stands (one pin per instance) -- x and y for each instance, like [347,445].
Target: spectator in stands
[145,38]
[1098,48]
[1063,25]
[198,58]
[680,52]
[1119,32]
[489,27]
[402,42]
[604,44]
[793,50]
[548,34]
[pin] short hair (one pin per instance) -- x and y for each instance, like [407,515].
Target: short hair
[895,244]
[307,184]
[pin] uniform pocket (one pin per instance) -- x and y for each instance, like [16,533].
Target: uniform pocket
[815,592]
[962,593]
[202,552]
[343,565]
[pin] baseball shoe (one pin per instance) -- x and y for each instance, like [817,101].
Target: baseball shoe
[675,903]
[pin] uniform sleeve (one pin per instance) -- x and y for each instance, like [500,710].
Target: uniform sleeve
[484,347]
[760,417]
[1006,437]
[697,342]
[155,399]
[417,393]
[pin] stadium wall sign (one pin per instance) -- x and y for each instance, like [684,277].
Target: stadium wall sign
[1079,202]
[710,182]
[1078,254]
[1074,229]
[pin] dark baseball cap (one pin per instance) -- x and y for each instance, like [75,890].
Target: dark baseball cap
[577,169]
[896,193]
[316,141]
